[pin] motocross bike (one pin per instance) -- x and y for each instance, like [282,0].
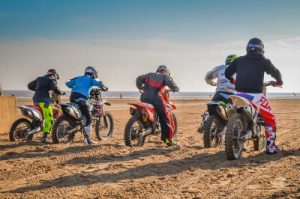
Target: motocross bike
[214,125]
[24,128]
[144,121]
[244,124]
[72,121]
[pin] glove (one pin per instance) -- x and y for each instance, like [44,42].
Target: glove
[105,88]
[212,83]
[277,84]
[233,81]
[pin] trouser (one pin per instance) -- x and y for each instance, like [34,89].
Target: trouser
[81,100]
[222,96]
[48,116]
[260,102]
[165,116]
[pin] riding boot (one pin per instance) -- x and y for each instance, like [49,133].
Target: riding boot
[45,138]
[87,136]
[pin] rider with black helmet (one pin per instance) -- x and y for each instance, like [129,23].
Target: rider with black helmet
[249,82]
[42,87]
[152,84]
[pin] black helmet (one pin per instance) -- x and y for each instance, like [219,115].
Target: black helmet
[91,71]
[52,73]
[255,46]
[163,70]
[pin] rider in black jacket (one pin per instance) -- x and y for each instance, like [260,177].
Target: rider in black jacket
[249,82]
[42,87]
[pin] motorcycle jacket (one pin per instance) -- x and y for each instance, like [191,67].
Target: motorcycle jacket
[42,87]
[83,85]
[250,71]
[152,83]
[223,84]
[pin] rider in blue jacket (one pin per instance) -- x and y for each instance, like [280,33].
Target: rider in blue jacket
[81,87]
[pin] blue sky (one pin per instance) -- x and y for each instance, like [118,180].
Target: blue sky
[126,27]
[185,20]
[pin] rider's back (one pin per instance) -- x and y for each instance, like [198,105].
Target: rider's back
[42,86]
[153,83]
[82,84]
[250,71]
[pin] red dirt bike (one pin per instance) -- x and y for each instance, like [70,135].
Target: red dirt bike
[145,122]
[23,129]
[244,124]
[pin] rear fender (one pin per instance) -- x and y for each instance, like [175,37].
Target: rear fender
[244,105]
[31,112]
[144,109]
[72,110]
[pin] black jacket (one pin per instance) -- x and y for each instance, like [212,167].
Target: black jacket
[250,71]
[42,87]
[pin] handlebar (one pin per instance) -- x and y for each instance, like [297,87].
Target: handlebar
[271,83]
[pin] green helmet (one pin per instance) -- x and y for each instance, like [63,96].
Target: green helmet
[230,59]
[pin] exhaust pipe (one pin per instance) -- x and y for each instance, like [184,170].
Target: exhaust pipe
[33,131]
[247,136]
[147,132]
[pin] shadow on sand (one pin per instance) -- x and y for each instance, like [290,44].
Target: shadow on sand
[204,161]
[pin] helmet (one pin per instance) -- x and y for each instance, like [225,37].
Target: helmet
[255,46]
[163,70]
[53,73]
[91,71]
[230,59]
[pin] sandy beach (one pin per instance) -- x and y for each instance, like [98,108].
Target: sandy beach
[113,170]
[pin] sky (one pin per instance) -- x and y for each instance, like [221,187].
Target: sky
[126,38]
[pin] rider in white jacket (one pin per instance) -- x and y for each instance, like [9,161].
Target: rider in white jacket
[224,86]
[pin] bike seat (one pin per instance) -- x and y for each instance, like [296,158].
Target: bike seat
[147,104]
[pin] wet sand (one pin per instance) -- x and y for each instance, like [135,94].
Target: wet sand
[112,170]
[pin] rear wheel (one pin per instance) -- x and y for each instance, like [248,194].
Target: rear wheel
[19,130]
[133,129]
[60,130]
[104,126]
[233,142]
[208,127]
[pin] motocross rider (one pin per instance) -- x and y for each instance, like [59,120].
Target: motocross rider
[224,86]
[81,87]
[152,84]
[249,70]
[42,87]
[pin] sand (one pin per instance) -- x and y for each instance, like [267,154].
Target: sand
[112,170]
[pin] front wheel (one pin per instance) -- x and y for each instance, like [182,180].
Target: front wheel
[61,128]
[234,145]
[105,126]
[19,130]
[133,129]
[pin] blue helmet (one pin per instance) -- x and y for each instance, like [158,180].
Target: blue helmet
[91,71]
[255,46]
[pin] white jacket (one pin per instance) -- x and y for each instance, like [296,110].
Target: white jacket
[223,84]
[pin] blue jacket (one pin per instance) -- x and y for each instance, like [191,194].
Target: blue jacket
[83,85]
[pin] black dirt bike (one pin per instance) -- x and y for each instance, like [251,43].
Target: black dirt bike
[214,124]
